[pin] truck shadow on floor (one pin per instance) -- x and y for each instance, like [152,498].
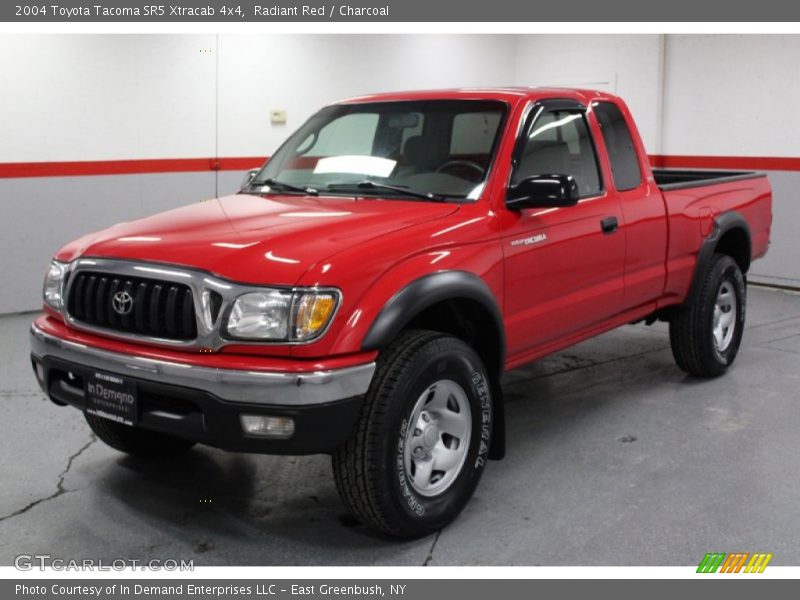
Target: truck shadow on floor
[292,501]
[213,495]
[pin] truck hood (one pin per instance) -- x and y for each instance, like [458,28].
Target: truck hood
[256,239]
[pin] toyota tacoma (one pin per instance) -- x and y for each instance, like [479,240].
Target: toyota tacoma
[366,289]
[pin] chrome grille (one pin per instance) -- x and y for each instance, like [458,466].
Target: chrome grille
[160,309]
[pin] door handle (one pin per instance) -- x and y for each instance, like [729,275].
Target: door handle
[609,224]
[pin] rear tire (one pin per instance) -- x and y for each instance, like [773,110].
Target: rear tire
[706,335]
[135,441]
[422,439]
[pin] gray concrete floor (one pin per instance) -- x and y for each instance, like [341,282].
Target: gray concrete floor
[615,457]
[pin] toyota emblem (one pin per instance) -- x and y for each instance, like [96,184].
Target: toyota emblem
[122,302]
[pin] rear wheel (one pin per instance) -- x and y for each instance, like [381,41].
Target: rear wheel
[706,335]
[135,441]
[422,438]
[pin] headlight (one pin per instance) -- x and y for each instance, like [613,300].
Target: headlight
[53,290]
[275,315]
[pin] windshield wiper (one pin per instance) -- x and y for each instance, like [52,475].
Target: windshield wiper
[286,187]
[372,185]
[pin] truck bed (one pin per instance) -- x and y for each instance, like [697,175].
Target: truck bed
[694,200]
[674,179]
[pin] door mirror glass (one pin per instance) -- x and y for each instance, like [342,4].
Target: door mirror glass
[543,191]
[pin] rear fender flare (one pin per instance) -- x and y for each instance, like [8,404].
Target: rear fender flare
[722,224]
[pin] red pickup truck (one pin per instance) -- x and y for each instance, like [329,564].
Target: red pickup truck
[366,289]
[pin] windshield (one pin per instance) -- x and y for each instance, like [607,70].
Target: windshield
[431,149]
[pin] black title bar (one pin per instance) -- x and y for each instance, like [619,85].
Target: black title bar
[249,11]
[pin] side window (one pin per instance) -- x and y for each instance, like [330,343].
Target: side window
[351,134]
[619,143]
[473,133]
[559,143]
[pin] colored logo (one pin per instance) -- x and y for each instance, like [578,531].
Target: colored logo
[737,562]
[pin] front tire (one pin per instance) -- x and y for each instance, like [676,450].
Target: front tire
[137,442]
[422,438]
[706,335]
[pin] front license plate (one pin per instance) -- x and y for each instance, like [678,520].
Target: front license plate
[111,397]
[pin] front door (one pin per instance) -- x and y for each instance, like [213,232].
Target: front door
[564,267]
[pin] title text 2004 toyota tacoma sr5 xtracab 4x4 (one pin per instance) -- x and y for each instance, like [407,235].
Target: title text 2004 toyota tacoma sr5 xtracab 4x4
[366,289]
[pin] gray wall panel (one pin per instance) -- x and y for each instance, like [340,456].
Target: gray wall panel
[42,214]
[781,265]
[229,181]
[170,190]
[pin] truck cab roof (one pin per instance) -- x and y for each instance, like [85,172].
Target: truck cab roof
[511,95]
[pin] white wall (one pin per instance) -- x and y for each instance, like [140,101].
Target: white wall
[106,97]
[111,97]
[303,73]
[714,95]
[732,95]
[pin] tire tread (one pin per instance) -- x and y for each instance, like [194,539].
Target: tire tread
[354,463]
[689,327]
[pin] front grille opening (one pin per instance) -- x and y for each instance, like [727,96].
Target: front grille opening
[146,306]
[215,304]
[70,379]
[155,402]
[65,387]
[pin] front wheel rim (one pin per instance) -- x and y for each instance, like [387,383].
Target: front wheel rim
[724,323]
[437,439]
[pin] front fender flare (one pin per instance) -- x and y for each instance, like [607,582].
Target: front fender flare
[427,291]
[423,293]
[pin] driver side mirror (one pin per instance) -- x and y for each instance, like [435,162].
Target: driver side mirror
[543,191]
[248,178]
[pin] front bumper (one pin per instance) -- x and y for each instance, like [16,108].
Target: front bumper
[203,404]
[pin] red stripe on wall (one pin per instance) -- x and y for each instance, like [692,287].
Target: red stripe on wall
[128,167]
[242,163]
[766,163]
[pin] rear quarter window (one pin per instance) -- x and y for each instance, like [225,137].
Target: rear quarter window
[619,143]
